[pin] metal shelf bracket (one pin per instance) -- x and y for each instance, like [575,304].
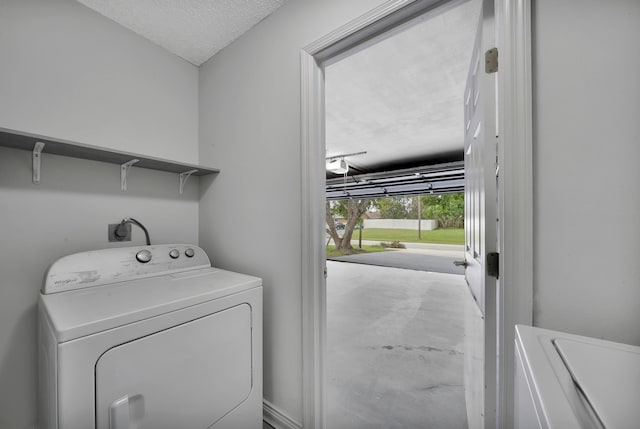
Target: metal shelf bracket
[184,177]
[124,170]
[37,156]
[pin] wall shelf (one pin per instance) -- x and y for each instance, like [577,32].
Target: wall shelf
[126,160]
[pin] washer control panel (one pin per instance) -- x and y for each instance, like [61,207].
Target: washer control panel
[99,267]
[143,256]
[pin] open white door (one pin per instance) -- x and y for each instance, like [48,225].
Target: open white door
[480,225]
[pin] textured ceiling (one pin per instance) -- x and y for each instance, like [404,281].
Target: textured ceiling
[401,100]
[192,29]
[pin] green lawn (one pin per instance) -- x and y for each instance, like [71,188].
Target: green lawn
[331,250]
[440,236]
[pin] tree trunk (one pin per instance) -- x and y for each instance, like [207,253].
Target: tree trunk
[331,227]
[355,209]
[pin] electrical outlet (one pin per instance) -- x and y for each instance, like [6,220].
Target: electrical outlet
[112,232]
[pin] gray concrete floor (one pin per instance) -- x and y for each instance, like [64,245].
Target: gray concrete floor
[395,348]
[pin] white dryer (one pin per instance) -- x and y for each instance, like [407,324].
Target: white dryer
[149,337]
[567,381]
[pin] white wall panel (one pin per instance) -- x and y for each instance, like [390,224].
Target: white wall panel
[586,174]
[70,73]
[250,214]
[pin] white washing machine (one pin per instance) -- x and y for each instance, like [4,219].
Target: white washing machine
[568,381]
[149,337]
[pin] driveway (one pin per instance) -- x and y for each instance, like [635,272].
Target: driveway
[417,256]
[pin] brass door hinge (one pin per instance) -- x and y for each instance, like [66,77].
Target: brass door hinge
[491,61]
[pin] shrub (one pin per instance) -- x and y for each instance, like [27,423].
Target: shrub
[393,245]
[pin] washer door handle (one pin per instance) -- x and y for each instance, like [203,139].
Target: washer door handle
[119,413]
[126,412]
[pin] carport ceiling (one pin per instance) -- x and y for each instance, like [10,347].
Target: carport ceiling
[401,100]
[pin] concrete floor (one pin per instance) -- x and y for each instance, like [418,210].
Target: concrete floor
[395,348]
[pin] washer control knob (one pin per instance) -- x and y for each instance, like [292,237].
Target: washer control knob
[143,256]
[174,253]
[189,253]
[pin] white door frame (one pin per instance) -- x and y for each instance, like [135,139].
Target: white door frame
[515,115]
[515,302]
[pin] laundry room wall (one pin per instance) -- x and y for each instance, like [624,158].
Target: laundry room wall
[250,216]
[70,73]
[586,175]
[67,72]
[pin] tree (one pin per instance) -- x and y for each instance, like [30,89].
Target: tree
[448,210]
[425,202]
[352,210]
[393,207]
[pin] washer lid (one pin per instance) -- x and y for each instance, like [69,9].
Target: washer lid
[609,376]
[77,313]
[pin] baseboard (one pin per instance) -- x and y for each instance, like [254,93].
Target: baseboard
[277,418]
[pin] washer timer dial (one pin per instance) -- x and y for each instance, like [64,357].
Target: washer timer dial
[143,256]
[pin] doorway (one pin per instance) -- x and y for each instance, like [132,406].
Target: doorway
[395,337]
[514,27]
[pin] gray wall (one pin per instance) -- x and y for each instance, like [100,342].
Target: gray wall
[586,174]
[250,216]
[70,73]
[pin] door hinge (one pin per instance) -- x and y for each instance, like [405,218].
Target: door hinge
[493,264]
[491,61]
